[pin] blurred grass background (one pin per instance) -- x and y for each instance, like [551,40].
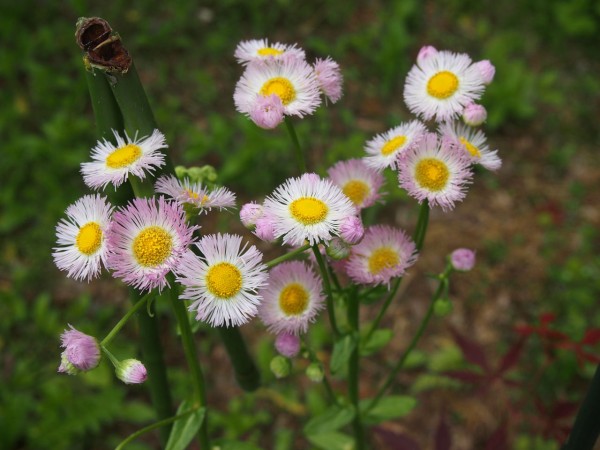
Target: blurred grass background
[534,224]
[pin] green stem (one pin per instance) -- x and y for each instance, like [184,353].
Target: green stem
[141,302]
[246,373]
[419,239]
[413,342]
[287,256]
[189,348]
[329,300]
[154,426]
[353,372]
[313,358]
[297,149]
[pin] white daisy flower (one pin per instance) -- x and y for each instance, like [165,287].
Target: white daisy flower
[81,238]
[440,86]
[224,282]
[473,142]
[436,171]
[385,149]
[259,50]
[292,298]
[195,194]
[308,209]
[293,81]
[358,182]
[113,164]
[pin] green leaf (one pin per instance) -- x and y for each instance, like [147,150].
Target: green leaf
[332,441]
[331,419]
[387,408]
[342,350]
[378,340]
[186,428]
[237,445]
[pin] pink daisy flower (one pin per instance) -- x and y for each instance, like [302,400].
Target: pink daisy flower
[383,254]
[292,299]
[329,77]
[146,241]
[436,171]
[223,283]
[82,352]
[385,149]
[195,194]
[359,182]
[113,164]
[260,51]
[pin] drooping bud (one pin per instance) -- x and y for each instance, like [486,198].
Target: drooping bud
[131,371]
[287,344]
[337,249]
[250,213]
[280,366]
[462,259]
[487,70]
[474,114]
[426,52]
[315,372]
[442,307]
[352,230]
[267,112]
[82,351]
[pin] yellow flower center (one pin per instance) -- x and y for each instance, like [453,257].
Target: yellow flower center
[474,151]
[224,280]
[124,156]
[442,85]
[152,246]
[432,174]
[269,51]
[382,258]
[293,299]
[356,191]
[308,210]
[89,238]
[392,145]
[282,87]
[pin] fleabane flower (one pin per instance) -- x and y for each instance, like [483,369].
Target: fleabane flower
[473,144]
[359,182]
[268,111]
[113,164]
[441,85]
[146,241]
[385,149]
[463,259]
[223,283]
[308,209]
[293,81]
[195,194]
[81,238]
[329,77]
[259,51]
[82,352]
[131,371]
[436,171]
[292,299]
[384,253]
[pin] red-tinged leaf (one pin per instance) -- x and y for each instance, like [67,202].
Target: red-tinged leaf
[443,438]
[591,337]
[563,410]
[512,383]
[499,439]
[547,318]
[395,441]
[589,357]
[472,350]
[511,357]
[525,330]
[553,335]
[465,376]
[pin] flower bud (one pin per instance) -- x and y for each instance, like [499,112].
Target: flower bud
[315,372]
[352,230]
[474,114]
[442,307]
[249,213]
[462,259]
[181,172]
[280,366]
[267,112]
[287,344]
[310,177]
[337,249]
[82,352]
[486,70]
[426,52]
[265,228]
[202,174]
[131,371]
[66,366]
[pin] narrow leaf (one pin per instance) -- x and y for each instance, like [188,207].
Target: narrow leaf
[511,357]
[473,352]
[591,336]
[378,340]
[387,408]
[332,441]
[332,419]
[342,350]
[236,445]
[185,429]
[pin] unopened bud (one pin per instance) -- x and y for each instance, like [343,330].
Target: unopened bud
[280,366]
[462,259]
[337,249]
[474,114]
[486,70]
[442,307]
[425,53]
[287,344]
[131,371]
[315,372]
[250,213]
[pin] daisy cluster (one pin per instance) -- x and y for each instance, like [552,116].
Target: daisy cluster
[279,82]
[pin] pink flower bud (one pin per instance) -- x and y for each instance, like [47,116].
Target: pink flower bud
[267,112]
[250,213]
[462,259]
[352,230]
[487,70]
[310,177]
[82,352]
[131,371]
[287,344]
[474,114]
[329,77]
[265,228]
[425,52]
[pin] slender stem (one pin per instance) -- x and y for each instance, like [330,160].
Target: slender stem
[413,342]
[287,256]
[297,149]
[189,348]
[586,428]
[154,426]
[313,358]
[106,110]
[384,308]
[353,371]
[334,278]
[246,373]
[141,302]
[109,355]
[329,300]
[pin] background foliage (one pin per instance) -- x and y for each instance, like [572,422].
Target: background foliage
[535,225]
